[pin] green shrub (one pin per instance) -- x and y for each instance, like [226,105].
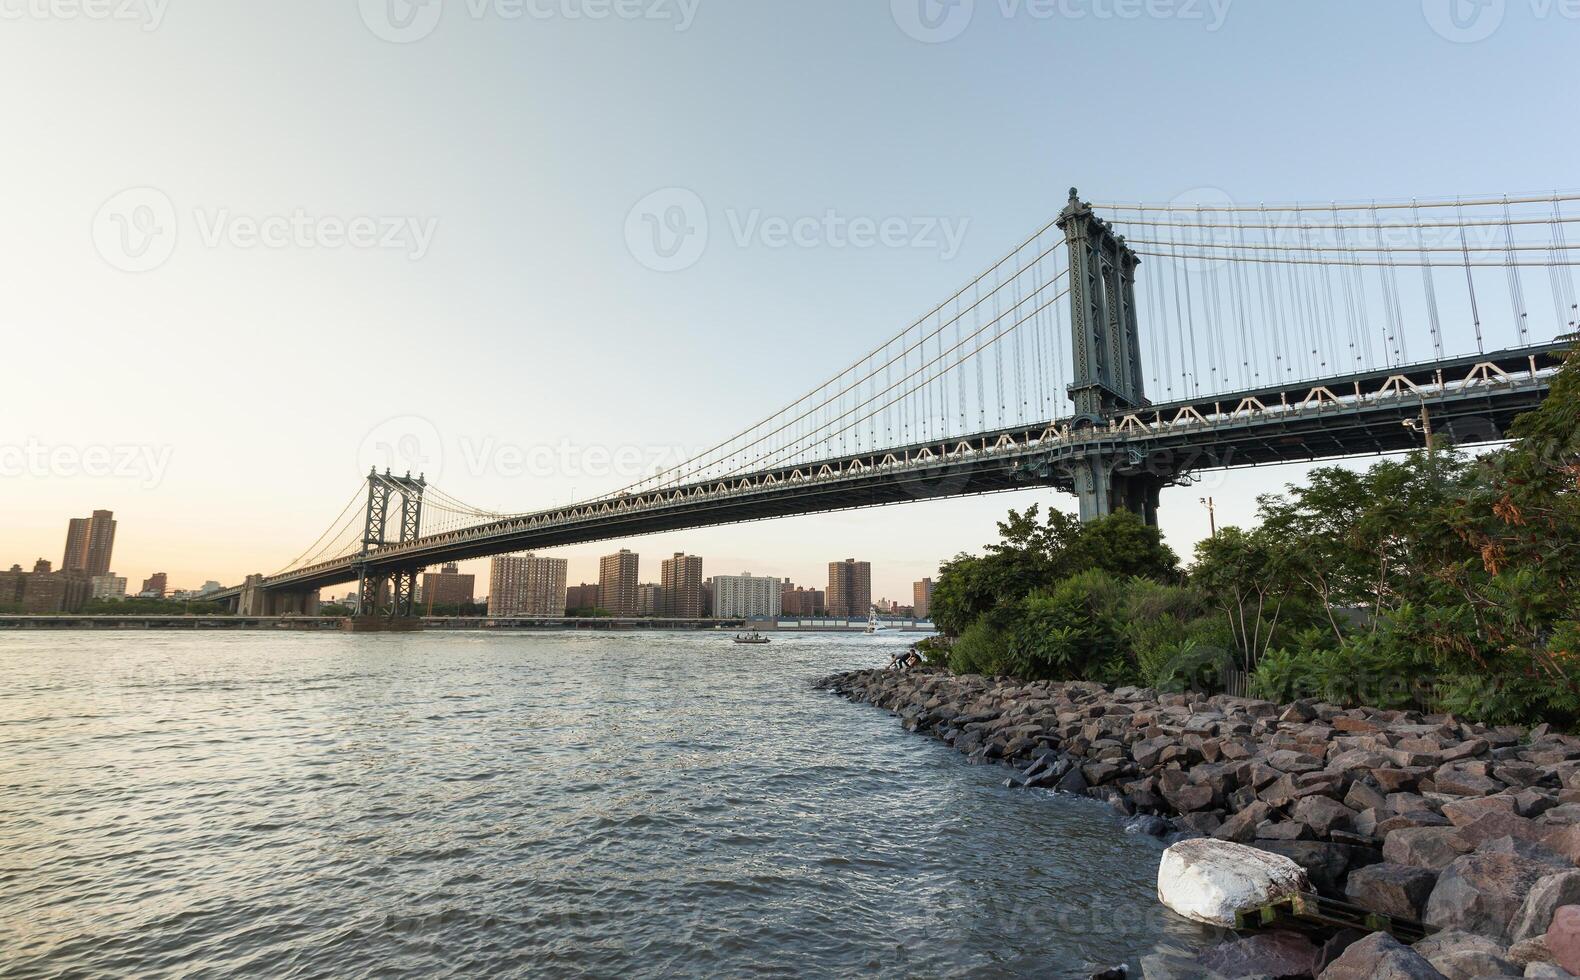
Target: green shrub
[979,650]
[1363,670]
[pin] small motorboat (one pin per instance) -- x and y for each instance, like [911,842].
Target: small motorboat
[751,638]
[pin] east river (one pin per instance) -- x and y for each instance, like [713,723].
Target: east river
[559,804]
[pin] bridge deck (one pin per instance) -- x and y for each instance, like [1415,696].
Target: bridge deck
[1471,400]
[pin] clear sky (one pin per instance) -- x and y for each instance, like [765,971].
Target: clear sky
[247,244]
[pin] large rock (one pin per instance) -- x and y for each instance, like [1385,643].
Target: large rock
[1241,826]
[1381,957]
[1563,938]
[1462,782]
[1482,893]
[1270,954]
[1464,812]
[1288,760]
[1396,890]
[1467,956]
[1425,847]
[1324,815]
[1539,853]
[1326,863]
[1495,825]
[1528,951]
[1210,880]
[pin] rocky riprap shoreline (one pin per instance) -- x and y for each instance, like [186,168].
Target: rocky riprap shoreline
[1472,829]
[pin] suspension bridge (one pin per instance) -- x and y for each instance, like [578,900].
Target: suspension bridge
[1120,349]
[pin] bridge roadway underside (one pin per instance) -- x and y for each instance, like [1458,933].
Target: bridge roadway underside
[1461,415]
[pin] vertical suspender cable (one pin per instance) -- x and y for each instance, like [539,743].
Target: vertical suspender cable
[1568,313]
[1429,279]
[1470,279]
[1516,287]
[1391,305]
[1270,304]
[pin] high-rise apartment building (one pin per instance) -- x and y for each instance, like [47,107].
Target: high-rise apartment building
[11,584]
[526,585]
[849,588]
[747,596]
[795,601]
[681,580]
[45,591]
[89,542]
[922,598]
[155,586]
[617,584]
[448,587]
[582,596]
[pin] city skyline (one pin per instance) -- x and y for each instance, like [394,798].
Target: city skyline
[448,577]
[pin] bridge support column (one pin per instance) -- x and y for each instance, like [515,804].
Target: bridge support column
[1105,483]
[254,600]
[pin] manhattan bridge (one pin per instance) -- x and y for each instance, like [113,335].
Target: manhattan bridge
[1119,349]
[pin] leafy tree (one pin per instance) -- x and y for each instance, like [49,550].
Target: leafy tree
[1124,546]
[1033,555]
[1238,570]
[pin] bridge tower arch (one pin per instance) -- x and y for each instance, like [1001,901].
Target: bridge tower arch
[1106,353]
[391,594]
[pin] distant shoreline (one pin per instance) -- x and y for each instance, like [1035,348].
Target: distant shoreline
[438,623]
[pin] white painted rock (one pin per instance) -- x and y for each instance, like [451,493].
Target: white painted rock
[1209,880]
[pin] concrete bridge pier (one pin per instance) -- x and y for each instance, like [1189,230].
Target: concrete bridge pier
[255,600]
[1106,482]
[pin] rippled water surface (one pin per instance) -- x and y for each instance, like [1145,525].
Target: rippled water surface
[553,804]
